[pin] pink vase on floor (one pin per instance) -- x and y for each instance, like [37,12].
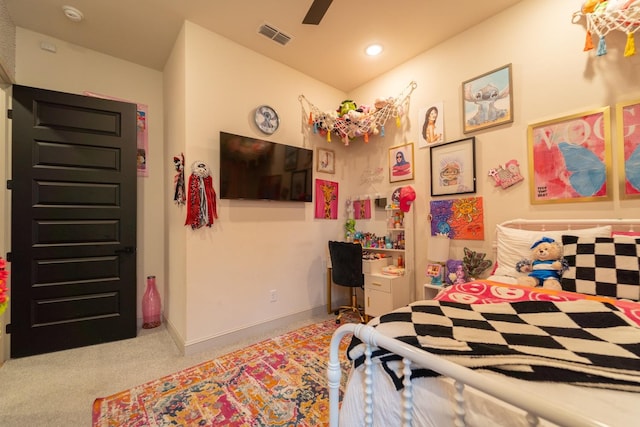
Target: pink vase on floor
[151,305]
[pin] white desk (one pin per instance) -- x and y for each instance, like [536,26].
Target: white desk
[382,293]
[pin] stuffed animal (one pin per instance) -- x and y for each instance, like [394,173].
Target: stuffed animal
[589,6]
[546,266]
[346,106]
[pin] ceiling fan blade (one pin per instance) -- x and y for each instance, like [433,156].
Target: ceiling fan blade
[316,12]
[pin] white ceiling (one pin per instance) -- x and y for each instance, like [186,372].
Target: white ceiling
[143,31]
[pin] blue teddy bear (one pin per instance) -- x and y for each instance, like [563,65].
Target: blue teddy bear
[546,266]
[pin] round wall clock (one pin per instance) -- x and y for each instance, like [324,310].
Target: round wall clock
[267,119]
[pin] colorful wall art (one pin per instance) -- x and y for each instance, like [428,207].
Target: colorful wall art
[326,199]
[461,219]
[362,209]
[570,158]
[628,118]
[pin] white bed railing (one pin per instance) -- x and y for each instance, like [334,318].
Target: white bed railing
[536,407]
[621,224]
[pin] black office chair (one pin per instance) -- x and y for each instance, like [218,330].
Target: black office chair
[346,270]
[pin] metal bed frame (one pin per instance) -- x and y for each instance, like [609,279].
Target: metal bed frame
[536,407]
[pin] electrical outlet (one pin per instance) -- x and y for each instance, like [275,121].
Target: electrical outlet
[274,295]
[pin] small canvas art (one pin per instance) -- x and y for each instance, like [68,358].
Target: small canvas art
[461,219]
[362,209]
[326,199]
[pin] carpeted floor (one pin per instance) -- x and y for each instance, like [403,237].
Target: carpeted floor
[277,382]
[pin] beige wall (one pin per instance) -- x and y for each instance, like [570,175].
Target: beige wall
[175,295]
[552,77]
[253,247]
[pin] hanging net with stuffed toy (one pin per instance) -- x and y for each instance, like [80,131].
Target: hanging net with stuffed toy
[602,17]
[351,121]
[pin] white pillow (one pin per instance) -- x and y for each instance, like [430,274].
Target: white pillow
[514,244]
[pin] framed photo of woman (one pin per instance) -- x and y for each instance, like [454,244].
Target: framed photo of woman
[431,120]
[401,162]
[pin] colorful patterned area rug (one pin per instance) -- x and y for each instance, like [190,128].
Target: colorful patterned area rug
[277,382]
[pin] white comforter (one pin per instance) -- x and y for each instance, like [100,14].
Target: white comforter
[433,406]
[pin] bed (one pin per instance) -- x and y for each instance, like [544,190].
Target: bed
[492,352]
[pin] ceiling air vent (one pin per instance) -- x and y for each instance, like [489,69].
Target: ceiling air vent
[274,34]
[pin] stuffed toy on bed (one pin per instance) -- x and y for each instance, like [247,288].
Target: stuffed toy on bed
[545,266]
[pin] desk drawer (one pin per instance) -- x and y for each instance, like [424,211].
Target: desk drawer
[378,282]
[370,266]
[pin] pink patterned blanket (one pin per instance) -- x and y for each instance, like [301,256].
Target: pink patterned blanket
[487,292]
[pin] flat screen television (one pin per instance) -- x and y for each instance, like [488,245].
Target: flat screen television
[254,169]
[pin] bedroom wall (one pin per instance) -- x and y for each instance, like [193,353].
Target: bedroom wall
[227,271]
[175,295]
[74,69]
[552,78]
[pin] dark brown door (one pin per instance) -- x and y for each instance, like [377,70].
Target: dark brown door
[73,221]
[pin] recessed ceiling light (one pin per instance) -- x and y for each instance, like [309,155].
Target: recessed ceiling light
[72,13]
[373,50]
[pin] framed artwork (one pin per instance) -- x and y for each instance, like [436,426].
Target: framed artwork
[431,120]
[487,100]
[290,158]
[453,167]
[298,185]
[570,158]
[326,160]
[362,209]
[326,199]
[628,120]
[401,162]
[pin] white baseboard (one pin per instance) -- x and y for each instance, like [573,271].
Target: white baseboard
[256,332]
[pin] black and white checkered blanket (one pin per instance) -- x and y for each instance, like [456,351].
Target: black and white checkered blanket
[579,342]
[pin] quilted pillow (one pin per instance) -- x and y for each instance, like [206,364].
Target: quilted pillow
[605,266]
[514,244]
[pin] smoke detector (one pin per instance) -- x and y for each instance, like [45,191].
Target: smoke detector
[72,13]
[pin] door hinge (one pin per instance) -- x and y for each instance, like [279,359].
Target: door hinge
[9,114]
[7,329]
[9,184]
[9,257]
